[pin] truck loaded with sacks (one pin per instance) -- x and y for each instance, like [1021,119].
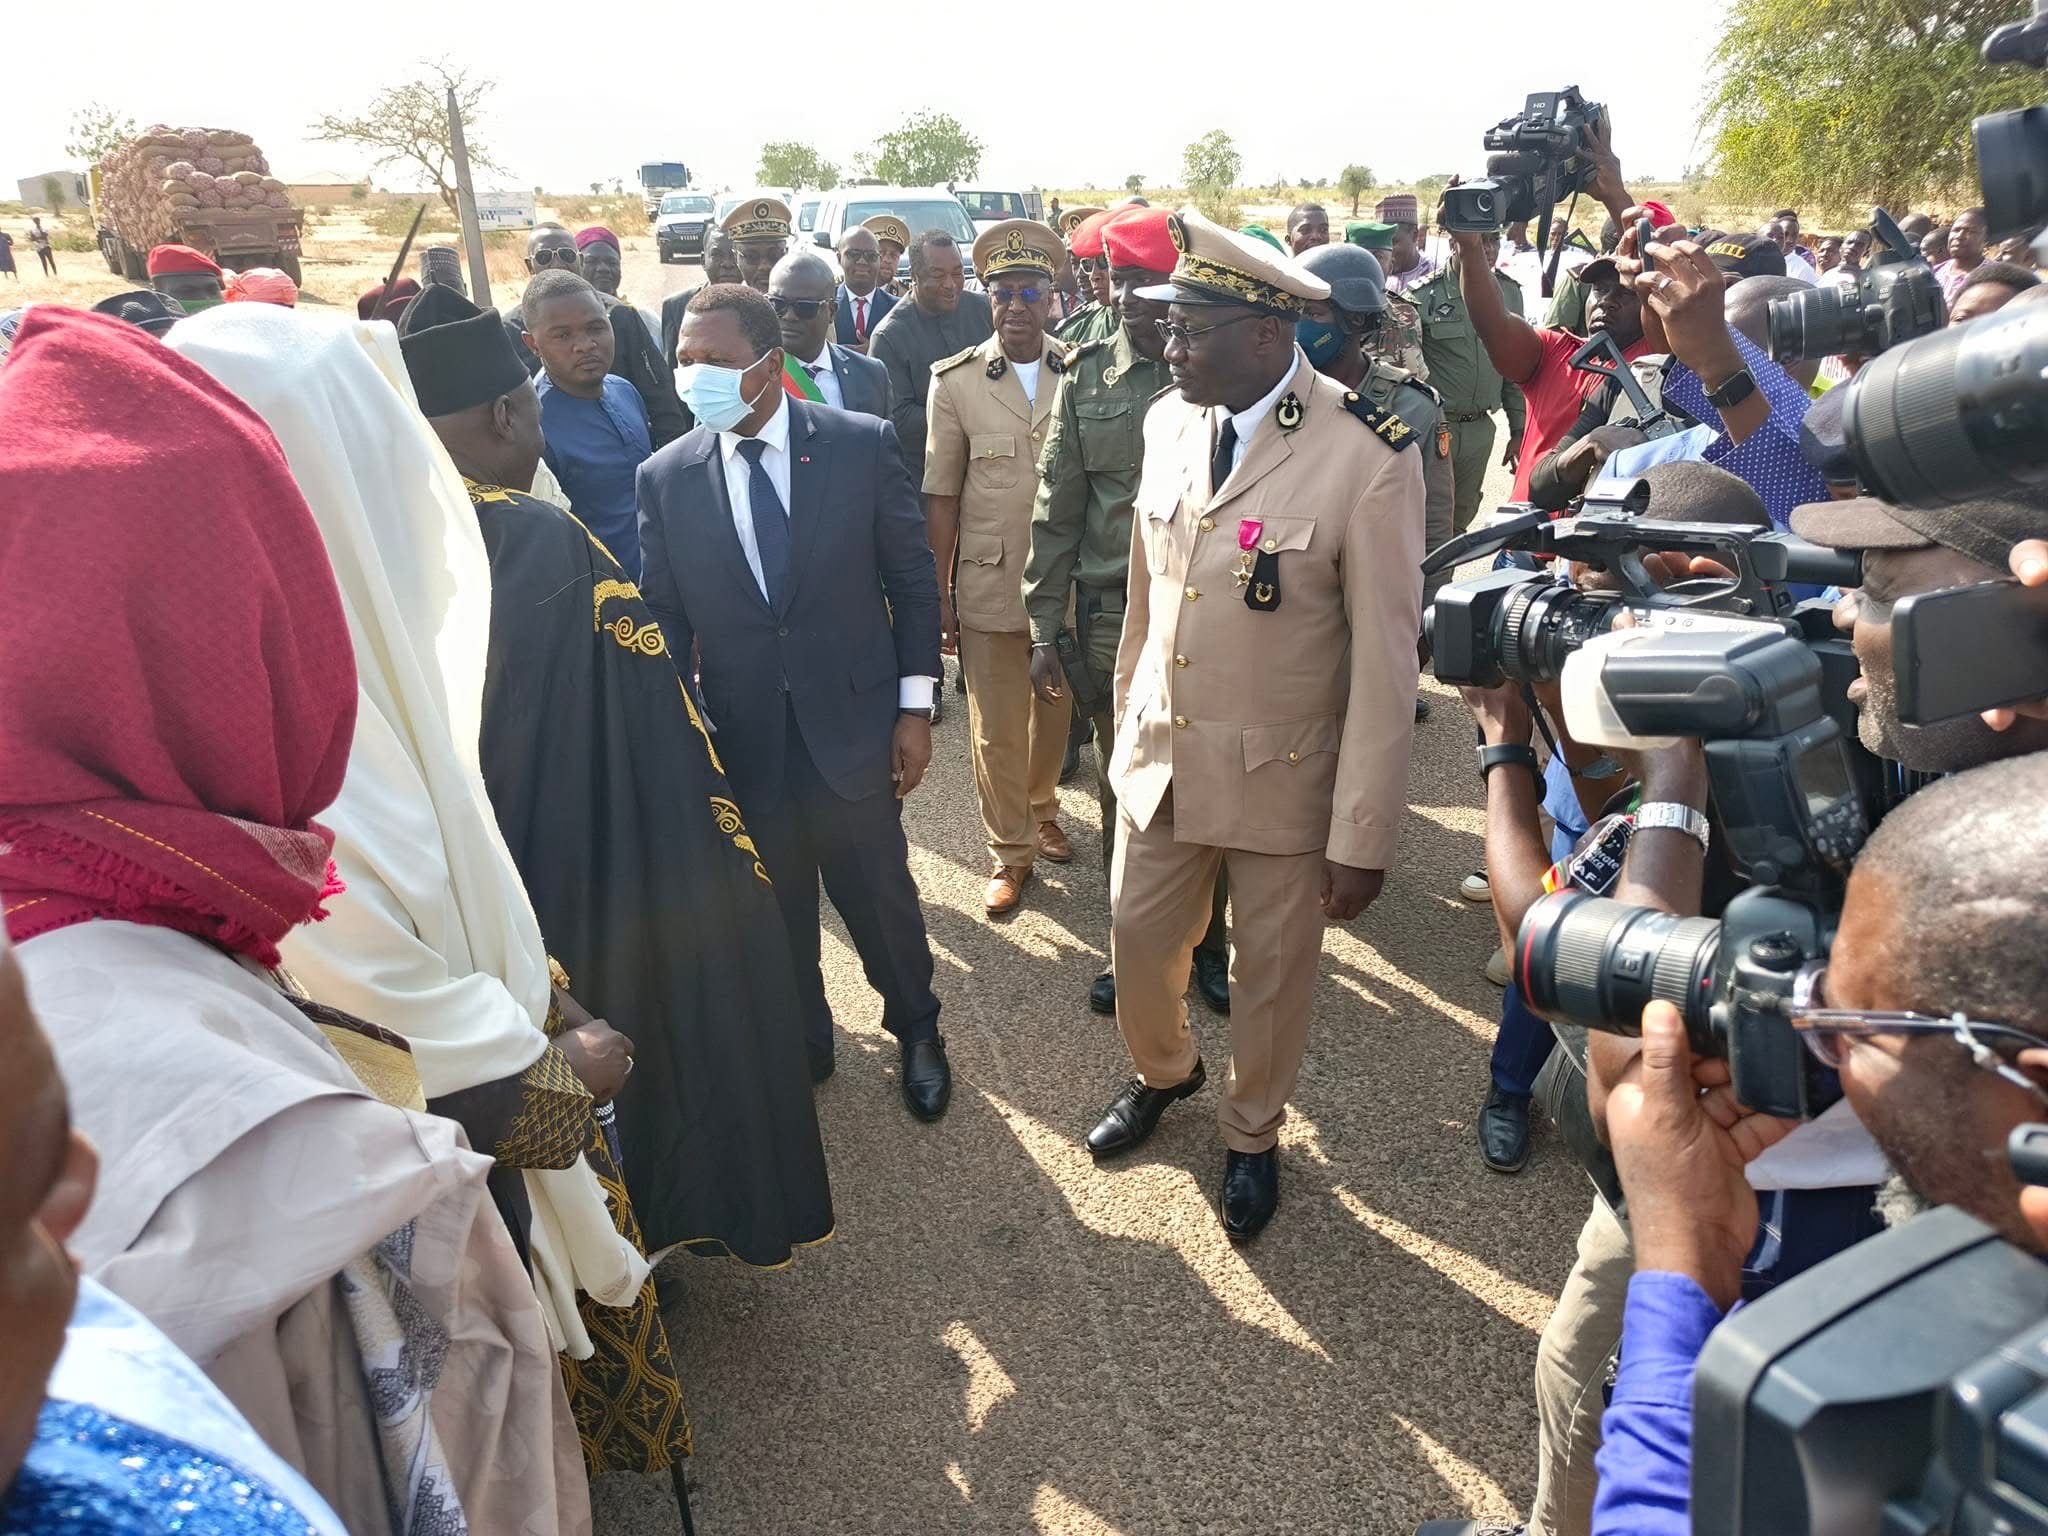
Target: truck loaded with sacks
[209,188]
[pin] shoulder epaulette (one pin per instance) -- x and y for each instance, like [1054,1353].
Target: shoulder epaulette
[1411,382]
[1081,349]
[945,364]
[1389,428]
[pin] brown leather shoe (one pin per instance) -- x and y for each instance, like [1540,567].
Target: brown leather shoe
[1005,893]
[1053,844]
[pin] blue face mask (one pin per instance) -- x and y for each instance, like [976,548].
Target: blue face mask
[1319,339]
[716,396]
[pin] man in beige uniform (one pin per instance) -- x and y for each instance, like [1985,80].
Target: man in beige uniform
[1264,690]
[987,416]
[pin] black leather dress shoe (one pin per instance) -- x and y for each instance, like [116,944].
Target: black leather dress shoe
[1212,979]
[822,1063]
[1504,1131]
[927,1079]
[1136,1113]
[1251,1192]
[1102,996]
[1421,709]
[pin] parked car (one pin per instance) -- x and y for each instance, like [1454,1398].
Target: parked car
[987,207]
[921,208]
[807,213]
[681,223]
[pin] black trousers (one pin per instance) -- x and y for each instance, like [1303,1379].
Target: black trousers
[49,261]
[808,830]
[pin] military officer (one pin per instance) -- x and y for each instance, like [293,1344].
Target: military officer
[1465,380]
[1263,692]
[760,238]
[1081,533]
[987,414]
[1098,317]
[892,236]
[1401,331]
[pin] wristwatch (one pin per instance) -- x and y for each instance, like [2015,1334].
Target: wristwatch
[1502,755]
[923,711]
[1678,818]
[1733,390]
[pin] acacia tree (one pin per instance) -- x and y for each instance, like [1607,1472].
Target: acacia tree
[1210,166]
[409,123]
[926,149]
[96,132]
[1354,181]
[787,163]
[1838,104]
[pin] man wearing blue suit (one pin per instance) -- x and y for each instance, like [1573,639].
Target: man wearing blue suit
[800,293]
[862,299]
[784,539]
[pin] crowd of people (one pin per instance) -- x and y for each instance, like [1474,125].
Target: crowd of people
[477,703]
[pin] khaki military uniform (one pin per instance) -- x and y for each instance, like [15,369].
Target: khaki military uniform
[1263,739]
[1466,383]
[1419,408]
[983,440]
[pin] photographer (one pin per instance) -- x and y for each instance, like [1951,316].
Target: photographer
[1539,360]
[1933,1007]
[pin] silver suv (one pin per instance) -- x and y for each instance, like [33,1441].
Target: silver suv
[921,208]
[680,224]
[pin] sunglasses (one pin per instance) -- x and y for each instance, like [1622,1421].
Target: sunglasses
[555,256]
[1171,331]
[1087,265]
[1827,1031]
[803,309]
[1006,296]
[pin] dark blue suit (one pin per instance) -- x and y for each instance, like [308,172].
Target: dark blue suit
[863,382]
[880,302]
[804,693]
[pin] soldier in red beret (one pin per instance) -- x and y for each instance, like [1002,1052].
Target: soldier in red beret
[191,277]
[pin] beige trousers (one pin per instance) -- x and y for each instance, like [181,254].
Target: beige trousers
[1161,898]
[1572,1358]
[1017,744]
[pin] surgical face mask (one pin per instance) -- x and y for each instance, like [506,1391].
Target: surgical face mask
[1320,339]
[716,396]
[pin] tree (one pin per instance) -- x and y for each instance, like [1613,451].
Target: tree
[927,149]
[1210,166]
[1354,181]
[788,163]
[53,193]
[1134,183]
[1838,104]
[96,132]
[409,123]
[597,189]
[1429,188]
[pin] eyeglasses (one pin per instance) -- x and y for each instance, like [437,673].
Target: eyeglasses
[1826,1030]
[1006,295]
[555,256]
[804,309]
[1086,265]
[859,258]
[1171,331]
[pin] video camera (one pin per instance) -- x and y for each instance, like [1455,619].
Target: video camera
[1894,299]
[1536,163]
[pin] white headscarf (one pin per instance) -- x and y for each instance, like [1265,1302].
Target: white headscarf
[436,938]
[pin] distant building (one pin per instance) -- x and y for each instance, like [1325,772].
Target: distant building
[68,186]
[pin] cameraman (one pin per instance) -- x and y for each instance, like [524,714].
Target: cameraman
[1933,1006]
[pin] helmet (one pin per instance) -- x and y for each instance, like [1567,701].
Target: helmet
[1356,283]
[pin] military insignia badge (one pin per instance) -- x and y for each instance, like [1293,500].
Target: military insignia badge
[1443,439]
[763,211]
[996,366]
[1177,232]
[1288,412]
[1263,595]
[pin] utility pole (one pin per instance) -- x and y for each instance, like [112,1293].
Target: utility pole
[465,201]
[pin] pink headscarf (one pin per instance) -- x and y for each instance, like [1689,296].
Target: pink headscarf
[596,234]
[262,285]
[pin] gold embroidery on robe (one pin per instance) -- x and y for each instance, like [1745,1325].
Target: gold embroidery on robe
[734,826]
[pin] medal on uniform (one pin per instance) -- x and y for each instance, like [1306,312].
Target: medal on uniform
[1248,531]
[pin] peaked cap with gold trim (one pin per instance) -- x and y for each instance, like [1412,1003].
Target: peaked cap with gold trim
[758,218]
[886,226]
[1016,245]
[1069,217]
[1215,265]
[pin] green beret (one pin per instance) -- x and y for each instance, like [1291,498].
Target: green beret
[1260,232]
[1370,234]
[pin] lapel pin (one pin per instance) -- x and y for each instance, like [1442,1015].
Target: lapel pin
[803,458]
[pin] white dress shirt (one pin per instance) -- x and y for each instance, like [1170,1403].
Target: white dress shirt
[911,692]
[853,304]
[1247,420]
[1796,265]
[828,379]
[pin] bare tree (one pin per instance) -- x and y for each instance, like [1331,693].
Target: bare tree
[409,124]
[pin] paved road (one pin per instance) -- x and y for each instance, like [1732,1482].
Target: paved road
[1003,1338]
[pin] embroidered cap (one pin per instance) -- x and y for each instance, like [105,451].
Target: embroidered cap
[1016,245]
[1070,217]
[1214,265]
[759,218]
[886,226]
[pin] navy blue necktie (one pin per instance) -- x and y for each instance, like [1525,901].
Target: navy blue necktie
[771,522]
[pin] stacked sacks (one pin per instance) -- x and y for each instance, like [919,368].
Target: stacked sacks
[168,174]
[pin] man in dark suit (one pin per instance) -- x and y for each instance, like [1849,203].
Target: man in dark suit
[721,265]
[800,292]
[862,299]
[786,540]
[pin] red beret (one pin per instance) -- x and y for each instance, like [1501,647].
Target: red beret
[1137,237]
[1086,240]
[181,258]
[596,234]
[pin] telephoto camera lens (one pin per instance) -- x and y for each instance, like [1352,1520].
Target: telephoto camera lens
[1817,323]
[2012,150]
[1594,962]
[1956,414]
[1540,627]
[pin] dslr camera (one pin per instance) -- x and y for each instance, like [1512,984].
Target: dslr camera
[1894,299]
[1534,164]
